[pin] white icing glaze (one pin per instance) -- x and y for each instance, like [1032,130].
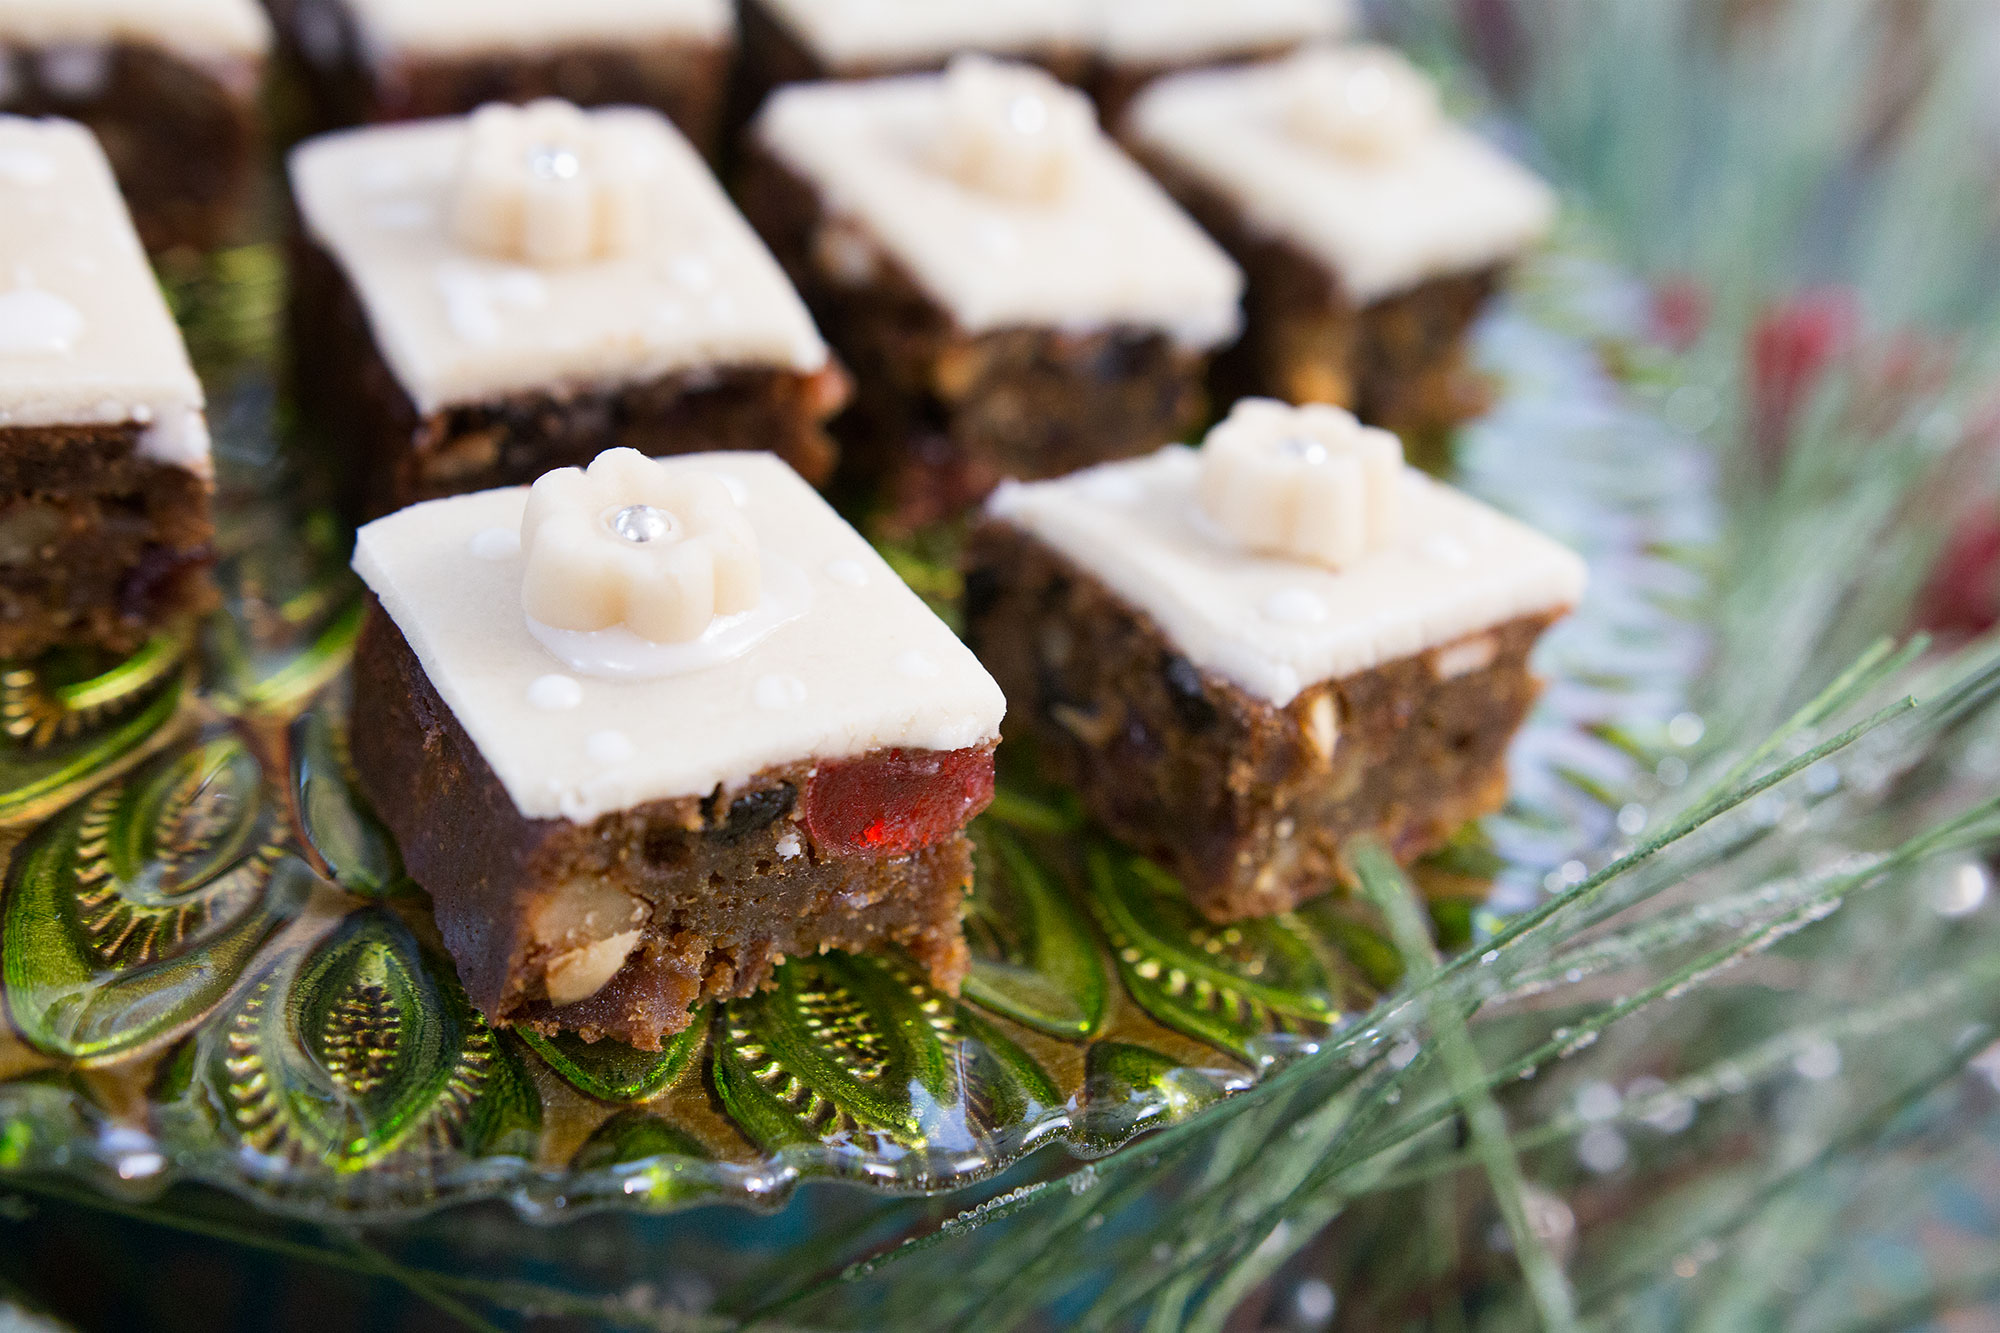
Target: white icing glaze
[26,166]
[1449,204]
[462,617]
[456,327]
[609,747]
[85,337]
[1112,250]
[876,35]
[555,694]
[1168,32]
[390,28]
[495,544]
[198,29]
[1212,599]
[779,693]
[38,323]
[850,572]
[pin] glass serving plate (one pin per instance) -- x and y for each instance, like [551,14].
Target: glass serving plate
[215,970]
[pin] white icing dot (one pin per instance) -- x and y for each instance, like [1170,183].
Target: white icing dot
[35,322]
[789,846]
[850,572]
[555,694]
[918,666]
[1294,606]
[693,273]
[1447,550]
[779,693]
[722,307]
[25,166]
[608,747]
[496,543]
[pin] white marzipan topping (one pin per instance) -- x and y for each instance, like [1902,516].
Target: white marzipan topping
[486,269]
[85,336]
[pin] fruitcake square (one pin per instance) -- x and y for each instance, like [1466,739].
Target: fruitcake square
[105,530]
[1015,296]
[1245,655]
[478,300]
[169,86]
[646,729]
[370,61]
[1373,230]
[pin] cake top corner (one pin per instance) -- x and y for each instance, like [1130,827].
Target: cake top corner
[538,248]
[1295,547]
[992,187]
[85,336]
[716,618]
[1345,152]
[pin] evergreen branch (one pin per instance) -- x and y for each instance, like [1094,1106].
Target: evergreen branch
[1384,884]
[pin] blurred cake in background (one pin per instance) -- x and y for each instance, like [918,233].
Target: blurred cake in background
[1014,295]
[1136,41]
[105,536]
[1373,230]
[480,299]
[385,60]
[794,41]
[169,86]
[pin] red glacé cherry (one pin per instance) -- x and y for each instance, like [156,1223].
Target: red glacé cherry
[896,801]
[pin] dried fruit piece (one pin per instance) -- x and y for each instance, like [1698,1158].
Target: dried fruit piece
[896,801]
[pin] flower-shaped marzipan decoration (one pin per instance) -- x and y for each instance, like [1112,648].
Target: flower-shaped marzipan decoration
[1364,102]
[661,551]
[1303,483]
[548,185]
[1011,130]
